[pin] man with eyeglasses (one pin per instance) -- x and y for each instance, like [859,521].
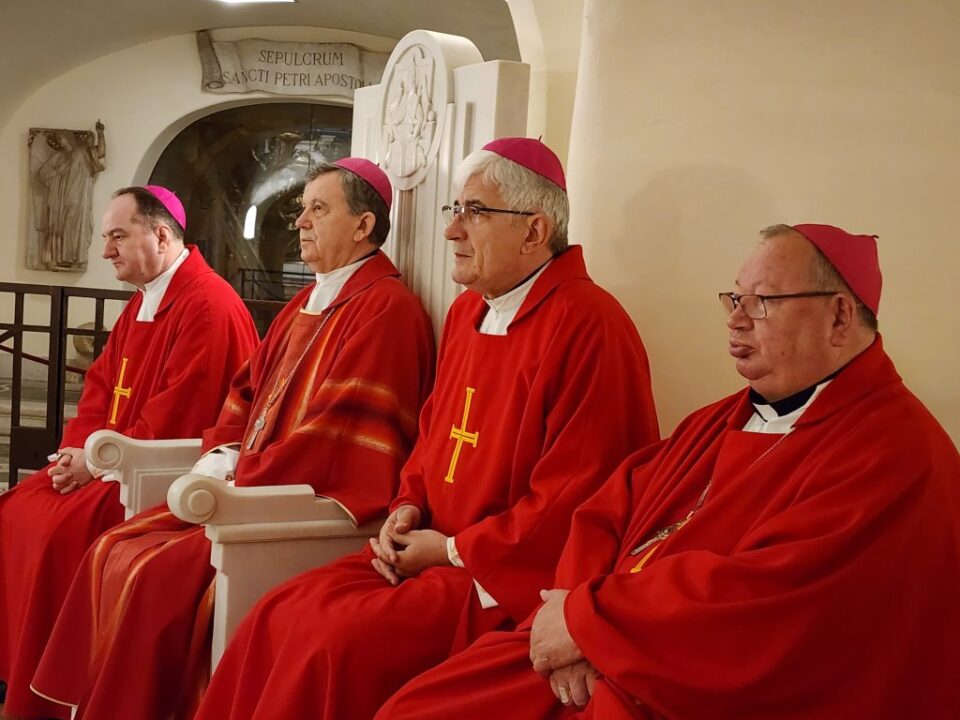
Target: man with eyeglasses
[791,552]
[542,388]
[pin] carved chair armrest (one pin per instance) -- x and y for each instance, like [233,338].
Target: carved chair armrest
[261,537]
[145,469]
[205,500]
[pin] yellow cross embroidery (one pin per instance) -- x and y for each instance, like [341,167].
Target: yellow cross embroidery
[461,435]
[118,392]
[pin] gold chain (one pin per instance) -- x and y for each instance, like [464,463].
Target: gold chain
[669,530]
[281,382]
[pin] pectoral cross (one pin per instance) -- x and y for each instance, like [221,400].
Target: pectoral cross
[118,392]
[257,427]
[461,435]
[643,561]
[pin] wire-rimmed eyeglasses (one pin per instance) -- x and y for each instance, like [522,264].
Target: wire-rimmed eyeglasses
[754,305]
[473,212]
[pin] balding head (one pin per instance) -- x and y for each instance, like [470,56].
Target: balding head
[801,340]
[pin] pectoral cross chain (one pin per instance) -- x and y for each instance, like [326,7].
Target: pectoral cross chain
[281,384]
[258,425]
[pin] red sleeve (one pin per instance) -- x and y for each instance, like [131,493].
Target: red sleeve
[599,410]
[97,387]
[196,374]
[235,413]
[599,524]
[232,421]
[818,598]
[389,366]
[412,489]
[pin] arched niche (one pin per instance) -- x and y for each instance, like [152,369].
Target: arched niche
[239,170]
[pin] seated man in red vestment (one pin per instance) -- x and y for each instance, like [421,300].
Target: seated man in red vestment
[542,388]
[164,373]
[329,399]
[791,552]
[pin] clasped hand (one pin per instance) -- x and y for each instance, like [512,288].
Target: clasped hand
[70,472]
[555,654]
[402,550]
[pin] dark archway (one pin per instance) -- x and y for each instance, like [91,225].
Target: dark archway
[239,173]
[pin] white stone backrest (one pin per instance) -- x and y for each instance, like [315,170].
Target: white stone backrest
[437,102]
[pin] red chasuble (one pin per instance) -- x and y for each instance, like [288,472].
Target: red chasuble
[818,580]
[160,379]
[520,429]
[344,422]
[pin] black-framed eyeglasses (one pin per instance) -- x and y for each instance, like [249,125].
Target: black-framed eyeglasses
[754,306]
[473,212]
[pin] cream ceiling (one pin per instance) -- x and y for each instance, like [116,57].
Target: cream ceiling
[40,39]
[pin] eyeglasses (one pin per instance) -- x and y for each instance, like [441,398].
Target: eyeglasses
[754,306]
[473,212]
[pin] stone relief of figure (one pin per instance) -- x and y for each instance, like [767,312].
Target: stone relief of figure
[64,165]
[409,122]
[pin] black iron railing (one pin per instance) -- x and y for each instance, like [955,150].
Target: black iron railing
[30,445]
[273,284]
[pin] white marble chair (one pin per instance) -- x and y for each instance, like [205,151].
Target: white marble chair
[261,536]
[145,469]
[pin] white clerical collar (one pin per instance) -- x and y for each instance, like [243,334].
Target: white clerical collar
[766,420]
[154,290]
[329,286]
[503,309]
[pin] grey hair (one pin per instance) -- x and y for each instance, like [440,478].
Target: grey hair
[823,273]
[360,197]
[521,189]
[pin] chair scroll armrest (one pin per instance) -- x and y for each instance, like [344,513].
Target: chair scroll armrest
[261,537]
[201,499]
[144,468]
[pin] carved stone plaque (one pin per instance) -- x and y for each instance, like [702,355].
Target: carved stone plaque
[63,167]
[415,98]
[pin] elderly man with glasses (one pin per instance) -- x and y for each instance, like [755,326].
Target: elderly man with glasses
[542,388]
[791,552]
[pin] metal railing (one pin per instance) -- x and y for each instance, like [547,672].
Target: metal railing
[273,283]
[30,445]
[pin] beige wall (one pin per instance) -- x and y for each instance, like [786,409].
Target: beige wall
[697,123]
[144,95]
[548,34]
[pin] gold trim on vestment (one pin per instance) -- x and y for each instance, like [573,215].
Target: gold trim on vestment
[235,407]
[376,388]
[123,597]
[337,433]
[306,393]
[97,564]
[51,699]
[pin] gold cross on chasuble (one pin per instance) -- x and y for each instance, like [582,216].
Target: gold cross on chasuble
[118,392]
[461,435]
